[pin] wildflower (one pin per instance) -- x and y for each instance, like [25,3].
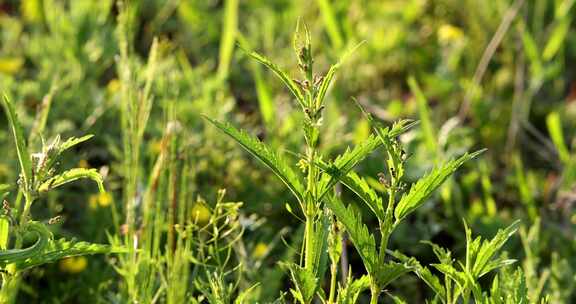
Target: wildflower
[448,33]
[260,250]
[11,65]
[113,86]
[103,200]
[73,265]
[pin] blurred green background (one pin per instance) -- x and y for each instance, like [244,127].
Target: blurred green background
[477,74]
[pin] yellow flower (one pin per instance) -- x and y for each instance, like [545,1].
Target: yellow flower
[200,214]
[11,65]
[260,250]
[31,10]
[113,86]
[73,264]
[448,33]
[103,200]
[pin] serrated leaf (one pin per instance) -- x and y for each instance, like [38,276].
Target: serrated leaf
[350,292]
[361,187]
[327,80]
[345,162]
[489,249]
[19,139]
[317,254]
[420,191]
[70,176]
[305,283]
[389,272]
[73,141]
[362,239]
[284,77]
[265,155]
[459,277]
[62,248]
[10,256]
[444,255]
[422,272]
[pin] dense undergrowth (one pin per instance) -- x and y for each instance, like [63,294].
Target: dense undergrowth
[370,151]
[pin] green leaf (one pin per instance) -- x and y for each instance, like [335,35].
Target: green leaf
[362,239]
[327,80]
[10,256]
[265,155]
[361,187]
[317,254]
[389,272]
[346,162]
[70,176]
[350,292]
[444,255]
[19,139]
[286,79]
[62,248]
[459,277]
[489,249]
[420,191]
[305,283]
[422,272]
[73,141]
[4,232]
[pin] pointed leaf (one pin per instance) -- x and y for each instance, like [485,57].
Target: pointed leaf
[265,155]
[420,191]
[304,281]
[73,141]
[286,79]
[62,248]
[362,239]
[70,176]
[389,272]
[489,249]
[361,187]
[19,139]
[346,162]
[10,256]
[422,272]
[327,80]
[459,277]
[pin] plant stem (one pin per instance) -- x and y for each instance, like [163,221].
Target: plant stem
[375,293]
[310,207]
[333,274]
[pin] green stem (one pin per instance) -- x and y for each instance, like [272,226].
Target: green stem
[333,274]
[375,293]
[310,207]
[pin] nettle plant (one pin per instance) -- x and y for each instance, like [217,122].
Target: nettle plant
[460,281]
[38,175]
[324,213]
